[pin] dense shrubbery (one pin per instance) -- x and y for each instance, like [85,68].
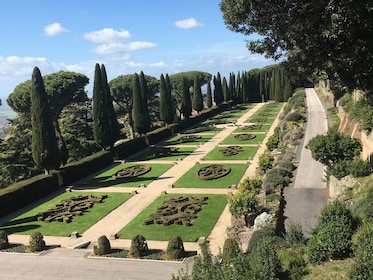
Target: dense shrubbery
[4,242]
[103,246]
[175,248]
[274,140]
[230,249]
[139,246]
[36,242]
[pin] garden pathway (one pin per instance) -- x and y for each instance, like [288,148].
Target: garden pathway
[121,216]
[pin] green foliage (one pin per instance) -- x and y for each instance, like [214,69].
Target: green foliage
[253,184]
[274,140]
[363,251]
[294,117]
[175,248]
[166,110]
[139,246]
[230,249]
[297,267]
[4,242]
[360,168]
[197,100]
[103,246]
[145,92]
[218,90]
[242,203]
[335,211]
[265,162]
[138,108]
[44,147]
[36,242]
[186,106]
[208,96]
[340,169]
[257,235]
[294,234]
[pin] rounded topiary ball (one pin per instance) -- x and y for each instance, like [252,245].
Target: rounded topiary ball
[103,246]
[36,242]
[175,248]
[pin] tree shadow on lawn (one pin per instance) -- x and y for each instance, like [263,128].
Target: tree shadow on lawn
[152,154]
[21,228]
[108,181]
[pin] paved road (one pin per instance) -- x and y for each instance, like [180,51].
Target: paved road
[308,194]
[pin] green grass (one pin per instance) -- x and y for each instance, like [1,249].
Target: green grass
[202,226]
[231,141]
[247,153]
[263,128]
[25,223]
[189,180]
[105,179]
[204,138]
[180,153]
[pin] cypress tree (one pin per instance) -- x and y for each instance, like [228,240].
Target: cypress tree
[144,102]
[218,91]
[114,126]
[166,111]
[287,89]
[239,88]
[186,106]
[137,110]
[208,95]
[245,88]
[44,141]
[225,88]
[197,102]
[277,86]
[231,86]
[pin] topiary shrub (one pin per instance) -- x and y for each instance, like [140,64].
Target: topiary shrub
[175,248]
[4,242]
[103,246]
[36,242]
[139,246]
[230,249]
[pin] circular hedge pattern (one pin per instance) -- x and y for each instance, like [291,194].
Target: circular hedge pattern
[244,136]
[252,127]
[132,171]
[189,138]
[231,150]
[213,171]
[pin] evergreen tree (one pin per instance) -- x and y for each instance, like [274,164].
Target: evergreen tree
[144,102]
[239,88]
[287,89]
[102,125]
[186,104]
[137,111]
[166,111]
[277,86]
[44,142]
[218,91]
[245,88]
[197,102]
[208,96]
[225,88]
[231,86]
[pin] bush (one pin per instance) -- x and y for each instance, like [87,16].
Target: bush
[335,211]
[339,169]
[265,162]
[294,117]
[297,268]
[139,246]
[294,234]
[4,242]
[103,246]
[274,140]
[251,184]
[363,245]
[175,248]
[230,249]
[36,242]
[257,235]
[360,168]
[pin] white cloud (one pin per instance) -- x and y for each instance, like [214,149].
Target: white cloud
[188,23]
[113,48]
[54,29]
[107,35]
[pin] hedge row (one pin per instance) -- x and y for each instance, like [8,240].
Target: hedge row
[27,191]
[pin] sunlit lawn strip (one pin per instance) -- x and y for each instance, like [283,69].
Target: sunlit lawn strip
[204,138]
[262,128]
[189,180]
[230,140]
[26,223]
[106,178]
[202,226]
[156,153]
[247,152]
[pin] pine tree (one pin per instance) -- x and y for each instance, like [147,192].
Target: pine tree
[144,102]
[208,95]
[197,102]
[44,142]
[166,111]
[186,104]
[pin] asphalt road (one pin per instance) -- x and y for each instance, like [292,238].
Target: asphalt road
[308,194]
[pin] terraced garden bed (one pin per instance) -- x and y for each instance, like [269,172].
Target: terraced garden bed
[240,138]
[165,153]
[246,152]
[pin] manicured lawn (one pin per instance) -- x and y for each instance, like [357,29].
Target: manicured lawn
[156,153]
[247,152]
[263,128]
[26,223]
[189,180]
[230,140]
[204,138]
[202,129]
[202,226]
[105,179]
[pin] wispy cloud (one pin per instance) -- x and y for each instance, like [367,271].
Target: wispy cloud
[107,35]
[188,23]
[113,48]
[54,29]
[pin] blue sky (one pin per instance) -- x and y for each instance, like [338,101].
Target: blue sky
[128,36]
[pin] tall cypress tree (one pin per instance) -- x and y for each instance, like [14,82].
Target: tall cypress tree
[225,90]
[231,87]
[44,145]
[144,102]
[137,110]
[166,111]
[186,104]
[113,120]
[208,95]
[277,86]
[218,91]
[239,88]
[197,102]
